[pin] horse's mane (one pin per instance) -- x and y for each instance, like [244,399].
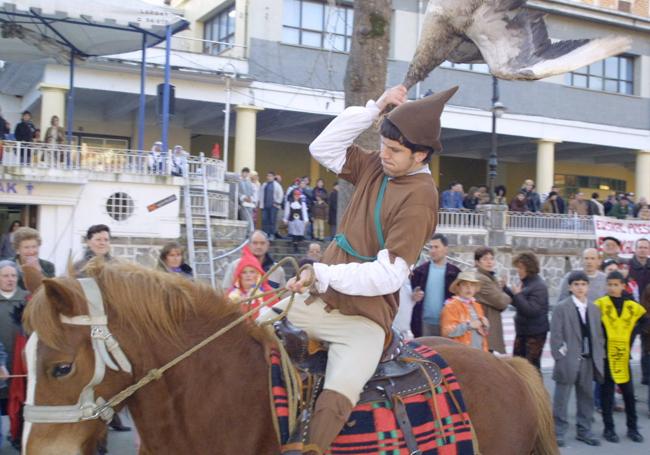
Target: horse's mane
[153,302]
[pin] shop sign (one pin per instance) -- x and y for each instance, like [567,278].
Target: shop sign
[8,187]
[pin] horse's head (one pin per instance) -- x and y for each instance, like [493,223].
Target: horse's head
[69,370]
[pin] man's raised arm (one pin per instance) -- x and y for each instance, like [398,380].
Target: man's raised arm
[330,147]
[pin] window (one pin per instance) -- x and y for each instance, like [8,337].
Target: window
[574,182]
[220,28]
[615,74]
[478,67]
[119,206]
[317,24]
[104,142]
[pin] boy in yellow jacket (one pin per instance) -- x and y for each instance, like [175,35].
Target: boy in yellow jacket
[620,316]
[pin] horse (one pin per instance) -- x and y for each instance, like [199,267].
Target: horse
[217,401]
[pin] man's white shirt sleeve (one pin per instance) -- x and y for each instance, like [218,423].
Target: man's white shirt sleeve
[369,279]
[331,146]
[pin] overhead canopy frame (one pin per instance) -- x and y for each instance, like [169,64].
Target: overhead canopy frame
[64,31]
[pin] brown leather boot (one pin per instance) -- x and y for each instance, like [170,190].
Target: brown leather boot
[331,412]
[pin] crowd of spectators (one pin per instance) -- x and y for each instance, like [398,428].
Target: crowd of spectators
[602,306]
[529,200]
[305,212]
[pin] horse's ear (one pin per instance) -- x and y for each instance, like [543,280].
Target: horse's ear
[70,265]
[60,296]
[32,277]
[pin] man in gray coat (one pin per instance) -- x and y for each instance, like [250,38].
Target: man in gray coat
[591,266]
[577,346]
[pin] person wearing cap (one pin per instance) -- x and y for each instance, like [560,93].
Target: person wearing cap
[391,215]
[611,248]
[577,346]
[462,318]
[247,284]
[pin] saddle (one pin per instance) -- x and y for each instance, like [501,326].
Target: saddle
[401,373]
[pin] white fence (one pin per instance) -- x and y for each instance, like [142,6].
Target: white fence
[218,204]
[550,223]
[97,159]
[461,219]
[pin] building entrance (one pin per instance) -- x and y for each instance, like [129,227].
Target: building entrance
[26,214]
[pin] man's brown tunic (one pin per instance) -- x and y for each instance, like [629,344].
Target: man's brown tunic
[408,218]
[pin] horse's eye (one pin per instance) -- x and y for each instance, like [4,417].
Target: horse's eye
[61,369]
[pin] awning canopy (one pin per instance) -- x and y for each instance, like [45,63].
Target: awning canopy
[35,30]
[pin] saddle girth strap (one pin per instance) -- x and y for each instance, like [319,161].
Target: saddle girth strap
[342,241]
[401,415]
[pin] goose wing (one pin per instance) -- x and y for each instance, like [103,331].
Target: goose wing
[515,44]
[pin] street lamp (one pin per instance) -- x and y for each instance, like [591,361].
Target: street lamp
[497,111]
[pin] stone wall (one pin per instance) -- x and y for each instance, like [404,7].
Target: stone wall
[226,235]
[557,253]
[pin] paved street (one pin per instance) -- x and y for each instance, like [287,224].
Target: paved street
[122,443]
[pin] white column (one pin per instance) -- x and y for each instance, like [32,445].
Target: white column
[642,174]
[245,136]
[52,103]
[545,165]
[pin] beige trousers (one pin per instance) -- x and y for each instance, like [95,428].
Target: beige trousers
[319,228]
[355,343]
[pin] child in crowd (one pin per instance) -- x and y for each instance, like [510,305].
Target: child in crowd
[577,346]
[296,217]
[320,213]
[631,286]
[620,316]
[462,317]
[247,283]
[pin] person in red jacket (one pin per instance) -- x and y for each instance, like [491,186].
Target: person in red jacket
[247,283]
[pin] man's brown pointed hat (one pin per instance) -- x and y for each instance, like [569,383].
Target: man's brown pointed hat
[419,121]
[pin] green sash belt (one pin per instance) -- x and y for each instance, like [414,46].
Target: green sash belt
[342,241]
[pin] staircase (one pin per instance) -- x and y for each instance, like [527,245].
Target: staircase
[284,248]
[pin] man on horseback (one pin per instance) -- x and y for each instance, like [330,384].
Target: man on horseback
[392,213]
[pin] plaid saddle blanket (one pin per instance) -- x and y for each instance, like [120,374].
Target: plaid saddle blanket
[439,419]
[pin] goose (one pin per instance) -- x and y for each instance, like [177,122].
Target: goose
[510,38]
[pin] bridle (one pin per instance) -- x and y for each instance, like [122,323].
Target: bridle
[106,346]
[107,354]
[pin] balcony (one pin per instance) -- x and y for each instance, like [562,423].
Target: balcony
[82,163]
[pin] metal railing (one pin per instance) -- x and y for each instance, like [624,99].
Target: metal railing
[464,219]
[98,159]
[210,47]
[550,223]
[218,204]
